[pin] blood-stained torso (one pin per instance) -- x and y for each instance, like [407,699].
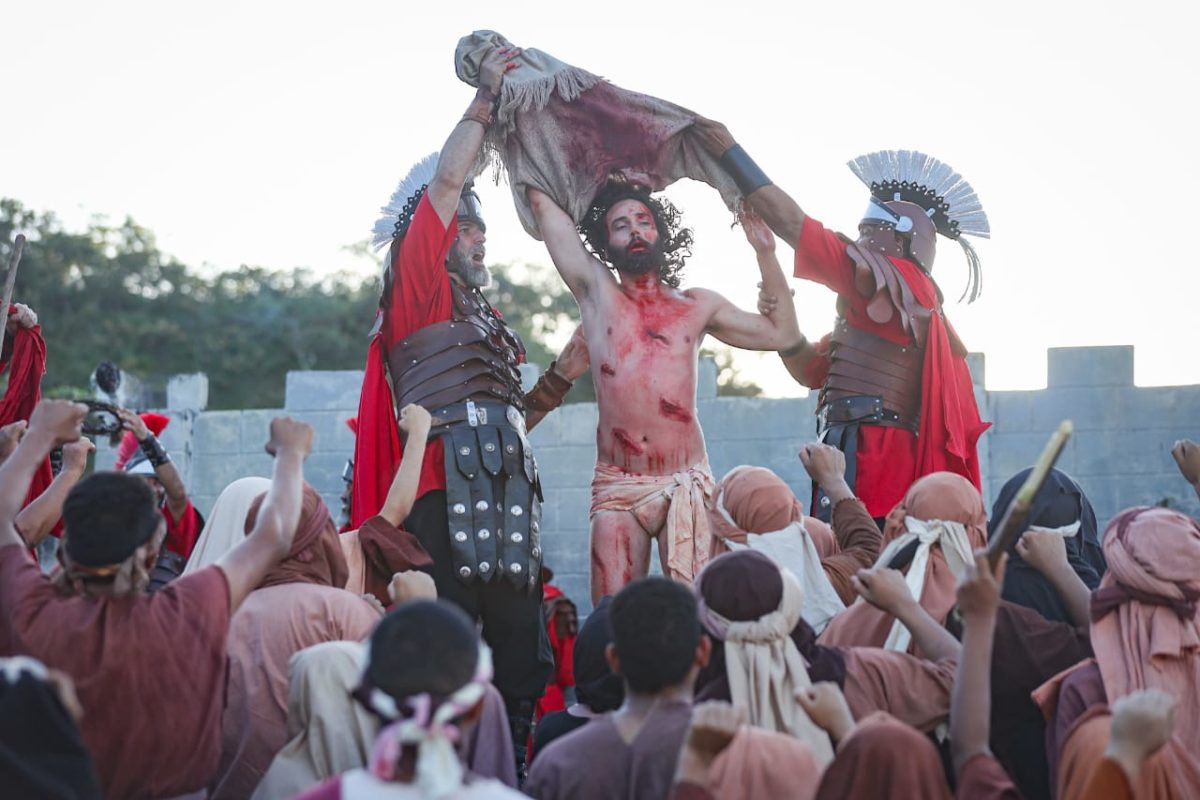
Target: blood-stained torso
[643,342]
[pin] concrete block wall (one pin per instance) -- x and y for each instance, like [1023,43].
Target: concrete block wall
[1120,451]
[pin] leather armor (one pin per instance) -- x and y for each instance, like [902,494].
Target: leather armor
[465,372]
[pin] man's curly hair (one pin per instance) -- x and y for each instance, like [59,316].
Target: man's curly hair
[675,241]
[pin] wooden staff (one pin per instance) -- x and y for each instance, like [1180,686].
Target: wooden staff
[1013,524]
[10,281]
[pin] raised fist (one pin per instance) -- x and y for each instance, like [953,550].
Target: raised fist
[290,435]
[60,420]
[414,419]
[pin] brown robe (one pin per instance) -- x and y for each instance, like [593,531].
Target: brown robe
[149,670]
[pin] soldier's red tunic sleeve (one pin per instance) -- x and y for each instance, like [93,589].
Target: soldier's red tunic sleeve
[420,284]
[821,257]
[420,296]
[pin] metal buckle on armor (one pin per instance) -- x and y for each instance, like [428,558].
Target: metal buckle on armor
[476,416]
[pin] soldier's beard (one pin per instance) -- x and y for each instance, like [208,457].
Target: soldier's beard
[651,259]
[474,274]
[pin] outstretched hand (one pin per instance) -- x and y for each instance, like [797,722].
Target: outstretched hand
[411,585]
[757,233]
[75,455]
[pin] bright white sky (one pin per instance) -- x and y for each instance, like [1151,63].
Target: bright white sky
[269,133]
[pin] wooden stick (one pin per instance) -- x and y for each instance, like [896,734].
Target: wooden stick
[10,281]
[1013,524]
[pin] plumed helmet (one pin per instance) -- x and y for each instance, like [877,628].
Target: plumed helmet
[920,197]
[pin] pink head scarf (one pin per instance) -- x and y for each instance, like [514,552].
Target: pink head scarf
[756,500]
[1144,626]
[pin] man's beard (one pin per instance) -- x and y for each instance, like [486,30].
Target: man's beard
[652,259]
[475,275]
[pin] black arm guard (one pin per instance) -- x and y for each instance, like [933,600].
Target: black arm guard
[748,176]
[156,454]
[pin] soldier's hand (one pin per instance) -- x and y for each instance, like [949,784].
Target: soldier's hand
[496,64]
[713,136]
[131,421]
[290,436]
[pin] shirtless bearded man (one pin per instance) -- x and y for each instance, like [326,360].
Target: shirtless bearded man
[652,479]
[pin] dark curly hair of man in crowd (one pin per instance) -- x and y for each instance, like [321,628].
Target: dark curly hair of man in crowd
[674,243]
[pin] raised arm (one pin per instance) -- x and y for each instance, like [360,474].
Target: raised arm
[37,519]
[275,529]
[971,698]
[461,150]
[774,205]
[886,590]
[53,423]
[578,267]
[552,385]
[1046,551]
[778,330]
[414,423]
[164,468]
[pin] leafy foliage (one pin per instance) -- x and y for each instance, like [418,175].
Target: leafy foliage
[108,293]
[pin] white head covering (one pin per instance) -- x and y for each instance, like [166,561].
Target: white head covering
[765,670]
[226,525]
[956,547]
[328,731]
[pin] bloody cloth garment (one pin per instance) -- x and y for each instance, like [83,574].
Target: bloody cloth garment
[563,130]
[160,657]
[891,459]
[420,296]
[24,356]
[595,763]
[182,533]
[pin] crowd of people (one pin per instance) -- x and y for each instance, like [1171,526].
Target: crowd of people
[866,647]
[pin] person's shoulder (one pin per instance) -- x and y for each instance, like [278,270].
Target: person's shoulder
[577,745]
[20,571]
